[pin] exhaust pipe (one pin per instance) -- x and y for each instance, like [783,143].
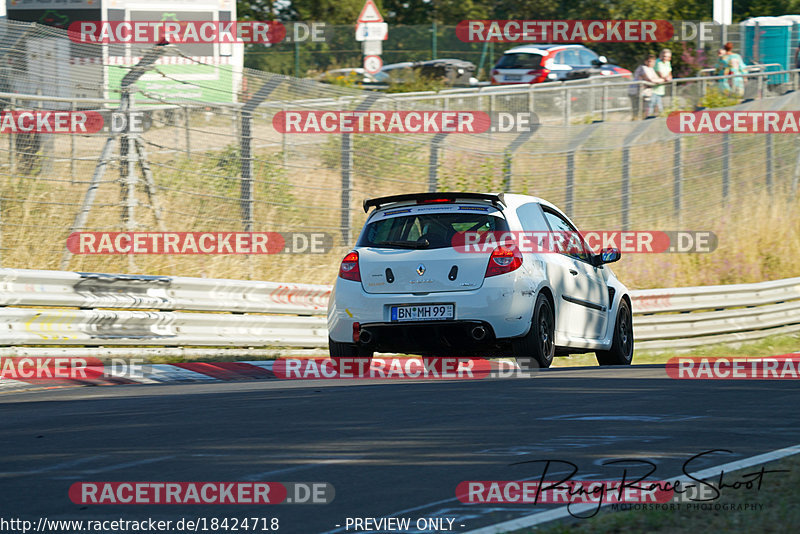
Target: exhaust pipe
[365,337]
[478,333]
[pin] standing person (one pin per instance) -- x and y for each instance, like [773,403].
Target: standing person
[737,67]
[663,69]
[722,68]
[647,74]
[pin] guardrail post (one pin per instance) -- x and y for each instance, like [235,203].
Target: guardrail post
[530,100]
[677,175]
[760,86]
[567,107]
[769,162]
[726,164]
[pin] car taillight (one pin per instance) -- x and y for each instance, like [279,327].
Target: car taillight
[349,268]
[503,260]
[620,70]
[541,75]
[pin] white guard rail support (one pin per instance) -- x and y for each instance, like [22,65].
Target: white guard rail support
[58,308]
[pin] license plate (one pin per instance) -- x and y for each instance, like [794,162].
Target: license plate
[513,77]
[427,312]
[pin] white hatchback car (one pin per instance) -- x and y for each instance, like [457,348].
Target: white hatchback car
[406,288]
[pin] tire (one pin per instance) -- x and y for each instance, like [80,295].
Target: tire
[347,350]
[621,352]
[536,349]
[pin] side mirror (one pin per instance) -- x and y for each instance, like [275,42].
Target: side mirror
[603,60]
[608,255]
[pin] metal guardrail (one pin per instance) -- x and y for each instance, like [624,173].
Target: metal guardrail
[60,308]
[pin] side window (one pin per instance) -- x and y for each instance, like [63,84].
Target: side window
[571,57]
[560,58]
[573,245]
[587,56]
[530,216]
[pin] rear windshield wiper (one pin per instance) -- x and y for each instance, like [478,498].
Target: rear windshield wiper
[404,244]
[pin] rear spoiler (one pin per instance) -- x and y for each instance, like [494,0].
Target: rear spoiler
[496,200]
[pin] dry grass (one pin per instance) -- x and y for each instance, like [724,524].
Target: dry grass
[759,235]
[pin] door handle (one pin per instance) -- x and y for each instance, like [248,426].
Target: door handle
[573,272]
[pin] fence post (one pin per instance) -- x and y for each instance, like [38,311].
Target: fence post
[677,174]
[604,113]
[626,187]
[347,177]
[626,170]
[72,154]
[347,170]
[433,162]
[726,165]
[530,99]
[186,131]
[769,163]
[12,160]
[796,174]
[246,150]
[569,192]
[567,110]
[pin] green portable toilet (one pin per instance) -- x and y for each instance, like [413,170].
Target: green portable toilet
[771,40]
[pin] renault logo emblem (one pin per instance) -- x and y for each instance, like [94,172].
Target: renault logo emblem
[420,269]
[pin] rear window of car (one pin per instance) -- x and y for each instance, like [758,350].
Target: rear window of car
[519,61]
[438,229]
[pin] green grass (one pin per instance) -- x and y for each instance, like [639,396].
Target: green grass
[771,346]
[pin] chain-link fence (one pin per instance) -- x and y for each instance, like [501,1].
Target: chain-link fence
[210,166]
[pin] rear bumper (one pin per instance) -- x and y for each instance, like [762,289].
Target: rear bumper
[503,303]
[451,338]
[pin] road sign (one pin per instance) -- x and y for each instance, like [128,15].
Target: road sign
[370,13]
[373,64]
[372,31]
[372,48]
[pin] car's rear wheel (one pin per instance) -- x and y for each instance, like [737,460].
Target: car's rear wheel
[621,352]
[347,350]
[537,348]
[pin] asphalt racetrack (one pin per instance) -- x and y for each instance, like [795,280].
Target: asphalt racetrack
[390,449]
